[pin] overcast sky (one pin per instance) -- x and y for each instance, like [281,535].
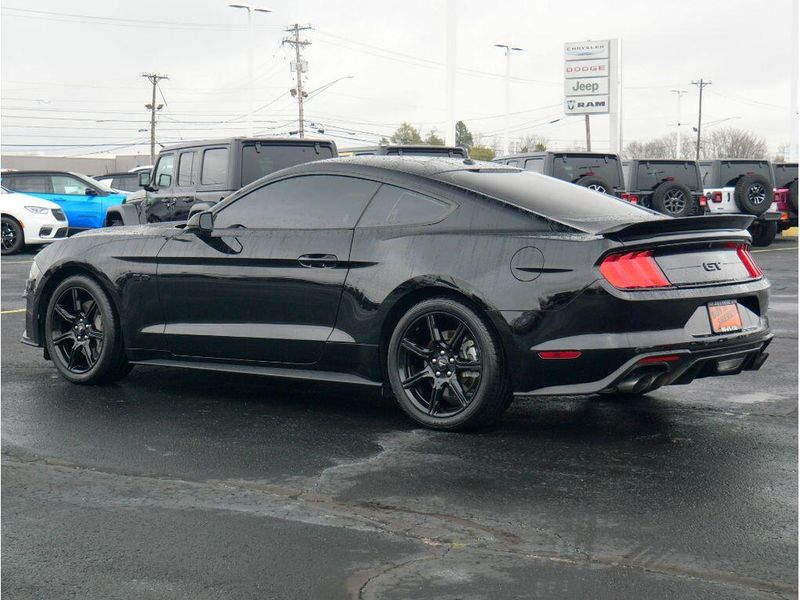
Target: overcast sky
[68,64]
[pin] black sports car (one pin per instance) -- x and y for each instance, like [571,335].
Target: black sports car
[456,284]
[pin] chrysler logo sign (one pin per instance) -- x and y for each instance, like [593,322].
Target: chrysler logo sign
[582,50]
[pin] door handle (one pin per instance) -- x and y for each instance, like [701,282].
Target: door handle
[318,261]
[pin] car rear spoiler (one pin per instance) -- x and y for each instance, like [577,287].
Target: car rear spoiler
[678,225]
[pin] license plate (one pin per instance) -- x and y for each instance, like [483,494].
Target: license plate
[724,316]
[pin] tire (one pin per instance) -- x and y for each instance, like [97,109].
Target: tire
[673,199]
[445,336]
[598,184]
[793,196]
[753,194]
[13,238]
[82,333]
[763,232]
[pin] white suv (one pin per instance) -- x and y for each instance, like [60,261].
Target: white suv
[742,186]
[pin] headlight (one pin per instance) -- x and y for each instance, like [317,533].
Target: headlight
[34,273]
[37,210]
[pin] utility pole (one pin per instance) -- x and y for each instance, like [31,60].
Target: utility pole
[299,67]
[678,137]
[701,84]
[153,78]
[588,133]
[506,124]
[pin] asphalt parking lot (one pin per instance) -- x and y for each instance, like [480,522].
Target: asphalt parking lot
[179,484]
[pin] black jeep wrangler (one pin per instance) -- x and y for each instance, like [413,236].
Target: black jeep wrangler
[599,172]
[207,171]
[671,187]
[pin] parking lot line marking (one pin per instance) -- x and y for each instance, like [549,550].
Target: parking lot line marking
[774,249]
[12,311]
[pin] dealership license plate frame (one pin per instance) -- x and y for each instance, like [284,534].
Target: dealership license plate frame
[724,316]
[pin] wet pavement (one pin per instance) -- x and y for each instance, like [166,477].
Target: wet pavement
[185,484]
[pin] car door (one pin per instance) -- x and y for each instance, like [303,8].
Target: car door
[184,191]
[161,199]
[83,210]
[265,284]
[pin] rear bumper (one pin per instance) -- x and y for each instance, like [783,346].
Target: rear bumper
[673,366]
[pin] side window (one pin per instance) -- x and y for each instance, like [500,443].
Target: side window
[397,206]
[215,166]
[69,186]
[535,164]
[305,202]
[185,166]
[166,164]
[27,183]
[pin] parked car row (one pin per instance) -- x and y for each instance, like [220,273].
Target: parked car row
[681,188]
[194,176]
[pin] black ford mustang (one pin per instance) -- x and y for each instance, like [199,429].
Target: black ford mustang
[457,284]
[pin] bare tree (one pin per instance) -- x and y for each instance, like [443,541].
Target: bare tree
[660,147]
[732,142]
[531,143]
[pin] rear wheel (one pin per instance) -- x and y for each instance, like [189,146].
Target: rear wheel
[13,239]
[82,333]
[673,199]
[763,232]
[753,194]
[446,367]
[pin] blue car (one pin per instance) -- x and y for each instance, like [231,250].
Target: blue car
[84,200]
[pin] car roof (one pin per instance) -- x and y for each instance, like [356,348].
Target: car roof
[40,172]
[708,161]
[116,174]
[546,152]
[292,141]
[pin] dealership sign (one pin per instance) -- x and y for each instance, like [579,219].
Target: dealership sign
[588,69]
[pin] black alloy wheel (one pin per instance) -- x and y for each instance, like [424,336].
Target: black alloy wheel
[77,329]
[445,366]
[12,237]
[440,364]
[675,202]
[757,193]
[81,333]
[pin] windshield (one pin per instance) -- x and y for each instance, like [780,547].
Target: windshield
[572,205]
[572,167]
[259,160]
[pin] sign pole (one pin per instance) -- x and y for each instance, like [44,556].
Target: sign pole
[588,134]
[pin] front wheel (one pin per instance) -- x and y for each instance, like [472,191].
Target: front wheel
[82,333]
[446,366]
[13,240]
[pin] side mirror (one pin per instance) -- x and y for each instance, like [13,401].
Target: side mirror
[90,192]
[200,223]
[199,207]
[164,180]
[144,179]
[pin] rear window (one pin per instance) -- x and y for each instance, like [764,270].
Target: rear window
[730,171]
[571,205]
[37,184]
[649,175]
[785,174]
[259,160]
[571,168]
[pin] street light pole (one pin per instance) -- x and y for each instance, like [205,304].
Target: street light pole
[506,125]
[250,59]
[678,137]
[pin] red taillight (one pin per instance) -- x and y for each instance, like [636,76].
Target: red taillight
[716,197]
[559,354]
[747,260]
[632,270]
[649,360]
[632,198]
[703,201]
